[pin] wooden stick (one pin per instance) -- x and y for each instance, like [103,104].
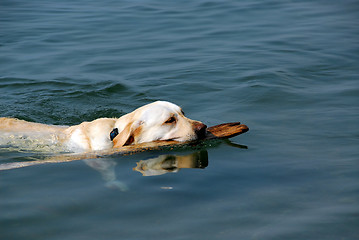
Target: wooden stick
[221,131]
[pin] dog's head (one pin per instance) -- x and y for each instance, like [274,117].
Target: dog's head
[157,121]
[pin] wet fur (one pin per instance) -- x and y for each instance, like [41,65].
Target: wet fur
[148,123]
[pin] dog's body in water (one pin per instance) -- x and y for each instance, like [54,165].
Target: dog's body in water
[156,121]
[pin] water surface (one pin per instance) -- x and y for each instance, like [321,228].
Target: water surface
[287,69]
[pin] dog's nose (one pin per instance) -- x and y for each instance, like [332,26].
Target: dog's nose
[200,129]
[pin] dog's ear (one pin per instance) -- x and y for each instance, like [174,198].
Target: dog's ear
[128,135]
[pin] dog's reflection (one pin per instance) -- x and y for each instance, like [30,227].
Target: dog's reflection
[151,167]
[172,163]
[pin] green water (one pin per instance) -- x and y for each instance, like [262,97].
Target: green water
[289,70]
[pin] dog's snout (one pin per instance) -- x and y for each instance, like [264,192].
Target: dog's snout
[200,129]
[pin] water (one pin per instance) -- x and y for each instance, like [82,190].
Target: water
[287,69]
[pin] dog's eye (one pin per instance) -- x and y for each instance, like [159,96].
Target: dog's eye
[171,120]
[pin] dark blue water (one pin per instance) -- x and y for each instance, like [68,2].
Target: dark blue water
[287,69]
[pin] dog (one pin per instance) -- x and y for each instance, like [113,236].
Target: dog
[159,120]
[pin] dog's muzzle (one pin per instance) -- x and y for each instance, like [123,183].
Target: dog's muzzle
[200,129]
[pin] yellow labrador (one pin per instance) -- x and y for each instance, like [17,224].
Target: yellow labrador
[156,121]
